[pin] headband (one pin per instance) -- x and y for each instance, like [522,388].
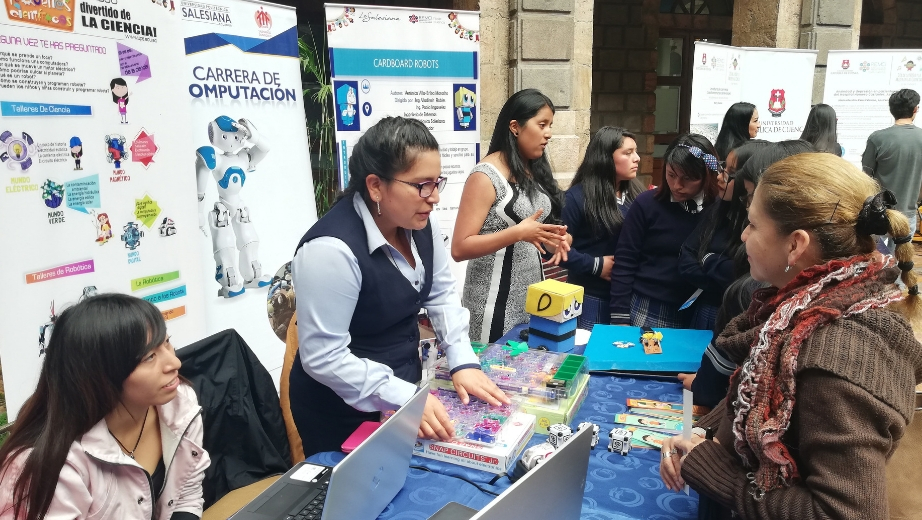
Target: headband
[872,220]
[709,160]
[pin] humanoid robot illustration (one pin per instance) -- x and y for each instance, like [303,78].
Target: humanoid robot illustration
[465,101]
[346,99]
[236,148]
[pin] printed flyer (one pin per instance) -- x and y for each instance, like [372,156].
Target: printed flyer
[858,86]
[725,75]
[242,85]
[96,183]
[424,64]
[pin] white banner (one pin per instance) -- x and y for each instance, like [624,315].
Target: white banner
[858,86]
[242,81]
[98,194]
[419,63]
[779,82]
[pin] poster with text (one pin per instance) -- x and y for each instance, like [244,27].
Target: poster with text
[97,189]
[859,85]
[418,63]
[242,84]
[779,82]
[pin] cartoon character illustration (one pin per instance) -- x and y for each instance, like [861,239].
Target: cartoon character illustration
[76,151]
[52,193]
[119,89]
[910,65]
[651,340]
[650,422]
[103,227]
[115,149]
[650,439]
[16,151]
[465,101]
[236,148]
[777,103]
[131,236]
[167,227]
[346,99]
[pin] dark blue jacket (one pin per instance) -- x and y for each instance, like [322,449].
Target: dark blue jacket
[647,256]
[584,261]
[717,271]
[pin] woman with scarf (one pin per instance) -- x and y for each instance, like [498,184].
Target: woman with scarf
[828,360]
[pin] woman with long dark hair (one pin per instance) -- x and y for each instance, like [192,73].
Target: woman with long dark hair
[740,124]
[508,217]
[820,129]
[646,286]
[109,414]
[603,189]
[828,359]
[361,275]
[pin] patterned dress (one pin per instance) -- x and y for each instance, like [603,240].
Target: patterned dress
[496,284]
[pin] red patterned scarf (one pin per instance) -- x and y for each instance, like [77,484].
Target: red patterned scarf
[763,389]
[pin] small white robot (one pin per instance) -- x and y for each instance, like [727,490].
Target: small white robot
[558,434]
[236,148]
[531,458]
[595,432]
[620,441]
[167,227]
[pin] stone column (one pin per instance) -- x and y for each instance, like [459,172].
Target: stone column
[767,23]
[494,62]
[550,49]
[828,25]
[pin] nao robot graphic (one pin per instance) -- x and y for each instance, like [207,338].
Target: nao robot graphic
[237,147]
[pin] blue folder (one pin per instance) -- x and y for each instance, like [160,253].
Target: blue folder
[682,350]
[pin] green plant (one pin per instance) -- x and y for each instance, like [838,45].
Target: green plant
[320,131]
[3,421]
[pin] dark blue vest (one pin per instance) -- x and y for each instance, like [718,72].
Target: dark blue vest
[384,325]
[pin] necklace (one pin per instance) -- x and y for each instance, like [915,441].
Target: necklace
[143,424]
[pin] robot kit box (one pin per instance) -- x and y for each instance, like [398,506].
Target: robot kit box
[495,459]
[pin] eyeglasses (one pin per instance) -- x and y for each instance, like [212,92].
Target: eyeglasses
[426,188]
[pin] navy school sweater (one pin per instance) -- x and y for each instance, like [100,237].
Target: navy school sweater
[647,256]
[584,261]
[717,271]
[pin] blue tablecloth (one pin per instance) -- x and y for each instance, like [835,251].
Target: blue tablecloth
[617,487]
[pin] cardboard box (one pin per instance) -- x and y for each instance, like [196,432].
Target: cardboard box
[562,412]
[496,459]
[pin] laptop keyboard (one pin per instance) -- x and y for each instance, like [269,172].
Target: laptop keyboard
[313,510]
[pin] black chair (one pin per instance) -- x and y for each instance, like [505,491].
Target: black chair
[244,431]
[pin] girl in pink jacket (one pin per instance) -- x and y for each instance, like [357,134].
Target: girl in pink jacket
[112,431]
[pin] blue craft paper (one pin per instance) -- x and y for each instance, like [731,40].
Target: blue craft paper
[682,350]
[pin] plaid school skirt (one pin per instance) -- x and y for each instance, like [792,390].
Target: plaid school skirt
[653,313]
[595,311]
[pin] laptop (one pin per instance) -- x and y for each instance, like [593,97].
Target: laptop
[358,488]
[553,489]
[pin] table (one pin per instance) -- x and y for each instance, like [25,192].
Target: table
[617,488]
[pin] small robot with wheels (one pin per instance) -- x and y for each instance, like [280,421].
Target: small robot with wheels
[595,432]
[619,440]
[531,458]
[558,434]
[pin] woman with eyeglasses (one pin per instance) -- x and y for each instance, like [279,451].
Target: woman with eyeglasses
[646,286]
[509,217]
[361,275]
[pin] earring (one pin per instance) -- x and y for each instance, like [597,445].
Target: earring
[786,269]
[378,202]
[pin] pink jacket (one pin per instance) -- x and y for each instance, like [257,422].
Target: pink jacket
[100,482]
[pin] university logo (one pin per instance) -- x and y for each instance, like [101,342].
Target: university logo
[414,18]
[845,64]
[864,66]
[777,103]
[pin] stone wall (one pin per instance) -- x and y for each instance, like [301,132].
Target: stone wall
[625,34]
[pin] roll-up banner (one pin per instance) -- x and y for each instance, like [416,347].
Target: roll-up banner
[779,82]
[250,159]
[97,190]
[859,84]
[418,63]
